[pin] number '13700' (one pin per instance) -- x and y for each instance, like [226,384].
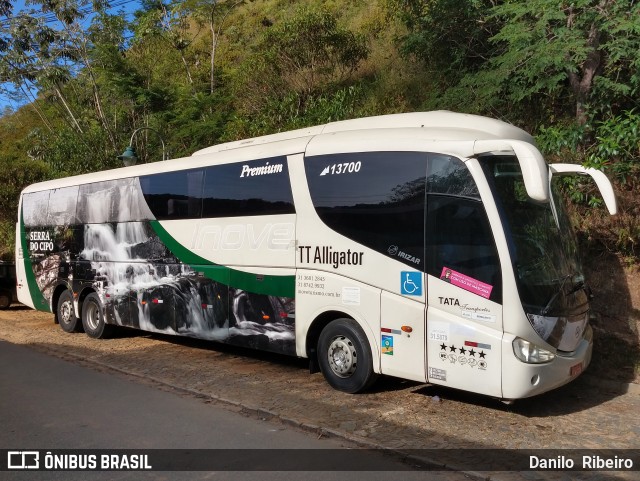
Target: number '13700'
[343,168]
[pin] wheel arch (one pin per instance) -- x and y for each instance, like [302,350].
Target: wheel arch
[84,292]
[94,321]
[320,322]
[82,295]
[313,335]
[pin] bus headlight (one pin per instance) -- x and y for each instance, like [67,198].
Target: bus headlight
[530,353]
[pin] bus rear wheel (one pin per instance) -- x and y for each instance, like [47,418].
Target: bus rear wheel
[66,315]
[345,357]
[93,318]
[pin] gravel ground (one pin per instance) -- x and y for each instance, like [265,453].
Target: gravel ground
[403,415]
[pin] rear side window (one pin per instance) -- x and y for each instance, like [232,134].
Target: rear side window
[257,187]
[62,206]
[374,198]
[112,201]
[35,208]
[174,195]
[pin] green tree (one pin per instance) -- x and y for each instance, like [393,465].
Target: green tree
[31,57]
[451,37]
[577,56]
[5,8]
[549,46]
[213,14]
[76,45]
[170,23]
[307,54]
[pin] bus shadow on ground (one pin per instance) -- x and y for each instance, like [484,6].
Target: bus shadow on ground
[230,349]
[577,396]
[616,351]
[382,384]
[18,307]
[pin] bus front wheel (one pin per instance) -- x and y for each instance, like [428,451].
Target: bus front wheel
[345,357]
[66,315]
[93,318]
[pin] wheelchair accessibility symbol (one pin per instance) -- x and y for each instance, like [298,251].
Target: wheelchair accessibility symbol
[411,283]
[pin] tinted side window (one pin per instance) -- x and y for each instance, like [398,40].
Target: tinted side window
[112,201]
[257,187]
[174,195]
[459,238]
[35,208]
[448,175]
[62,206]
[375,198]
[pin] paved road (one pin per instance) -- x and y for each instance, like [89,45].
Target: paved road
[49,403]
[587,414]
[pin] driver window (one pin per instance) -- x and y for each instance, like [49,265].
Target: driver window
[458,235]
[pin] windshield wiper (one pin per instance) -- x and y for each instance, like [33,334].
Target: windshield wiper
[555,296]
[581,286]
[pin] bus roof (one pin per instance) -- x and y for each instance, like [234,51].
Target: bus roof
[459,132]
[437,123]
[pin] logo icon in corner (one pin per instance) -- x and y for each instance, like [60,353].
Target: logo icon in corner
[23,460]
[411,283]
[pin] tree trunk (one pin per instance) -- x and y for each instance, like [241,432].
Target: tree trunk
[581,86]
[186,67]
[35,107]
[214,39]
[67,108]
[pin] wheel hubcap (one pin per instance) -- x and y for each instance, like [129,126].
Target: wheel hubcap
[342,356]
[65,312]
[92,316]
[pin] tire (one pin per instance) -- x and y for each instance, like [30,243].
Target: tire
[93,318]
[345,357]
[66,315]
[5,300]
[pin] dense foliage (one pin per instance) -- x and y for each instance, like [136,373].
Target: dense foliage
[200,72]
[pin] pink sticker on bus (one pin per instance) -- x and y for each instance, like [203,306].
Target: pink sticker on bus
[465,282]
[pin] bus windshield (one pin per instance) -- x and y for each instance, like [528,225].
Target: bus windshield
[544,253]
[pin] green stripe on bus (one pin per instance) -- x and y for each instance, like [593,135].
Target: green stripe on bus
[38,299]
[281,286]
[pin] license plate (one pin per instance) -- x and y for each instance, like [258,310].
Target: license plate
[575,370]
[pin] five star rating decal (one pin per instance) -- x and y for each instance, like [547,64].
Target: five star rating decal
[472,352]
[462,355]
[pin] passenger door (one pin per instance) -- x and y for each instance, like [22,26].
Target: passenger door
[464,285]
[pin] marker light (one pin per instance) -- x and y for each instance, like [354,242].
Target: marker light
[530,353]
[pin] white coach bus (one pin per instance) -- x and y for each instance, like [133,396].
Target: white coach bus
[427,246]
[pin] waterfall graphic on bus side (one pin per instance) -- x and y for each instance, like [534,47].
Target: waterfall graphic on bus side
[142,282]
